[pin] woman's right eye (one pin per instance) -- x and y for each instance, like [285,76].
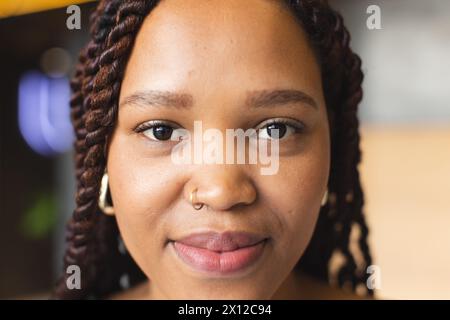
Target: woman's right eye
[160,132]
[157,131]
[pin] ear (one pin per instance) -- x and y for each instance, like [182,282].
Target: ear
[325,198]
[106,148]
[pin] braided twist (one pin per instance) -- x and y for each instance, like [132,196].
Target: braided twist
[96,87]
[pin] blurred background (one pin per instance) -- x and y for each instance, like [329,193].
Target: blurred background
[405,128]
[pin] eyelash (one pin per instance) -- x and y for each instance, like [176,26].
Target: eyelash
[155,123]
[142,128]
[298,126]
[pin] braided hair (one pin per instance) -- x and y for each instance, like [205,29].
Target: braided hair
[93,237]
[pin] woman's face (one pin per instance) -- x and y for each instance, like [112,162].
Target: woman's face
[226,64]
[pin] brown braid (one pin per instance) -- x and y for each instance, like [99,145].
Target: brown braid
[96,85]
[92,241]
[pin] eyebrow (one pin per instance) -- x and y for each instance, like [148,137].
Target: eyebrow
[159,99]
[269,98]
[255,99]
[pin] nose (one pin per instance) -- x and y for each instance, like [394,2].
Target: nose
[222,187]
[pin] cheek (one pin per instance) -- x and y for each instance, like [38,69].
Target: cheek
[295,193]
[141,189]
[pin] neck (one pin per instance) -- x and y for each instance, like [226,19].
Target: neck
[296,286]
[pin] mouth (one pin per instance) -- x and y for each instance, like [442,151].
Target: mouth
[220,253]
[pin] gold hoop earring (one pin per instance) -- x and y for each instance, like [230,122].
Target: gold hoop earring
[193,194]
[107,209]
[325,198]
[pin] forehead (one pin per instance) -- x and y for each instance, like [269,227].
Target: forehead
[210,43]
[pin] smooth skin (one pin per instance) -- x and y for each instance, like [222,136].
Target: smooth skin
[216,54]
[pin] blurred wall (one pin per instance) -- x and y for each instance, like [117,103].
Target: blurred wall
[405,117]
[36,191]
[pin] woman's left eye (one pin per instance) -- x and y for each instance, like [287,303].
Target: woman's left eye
[279,129]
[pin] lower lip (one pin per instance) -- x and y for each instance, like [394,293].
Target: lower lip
[219,262]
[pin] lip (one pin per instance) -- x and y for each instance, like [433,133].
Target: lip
[221,253]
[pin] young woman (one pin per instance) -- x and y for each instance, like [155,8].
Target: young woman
[165,230]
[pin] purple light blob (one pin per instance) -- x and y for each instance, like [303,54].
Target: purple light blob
[44,114]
